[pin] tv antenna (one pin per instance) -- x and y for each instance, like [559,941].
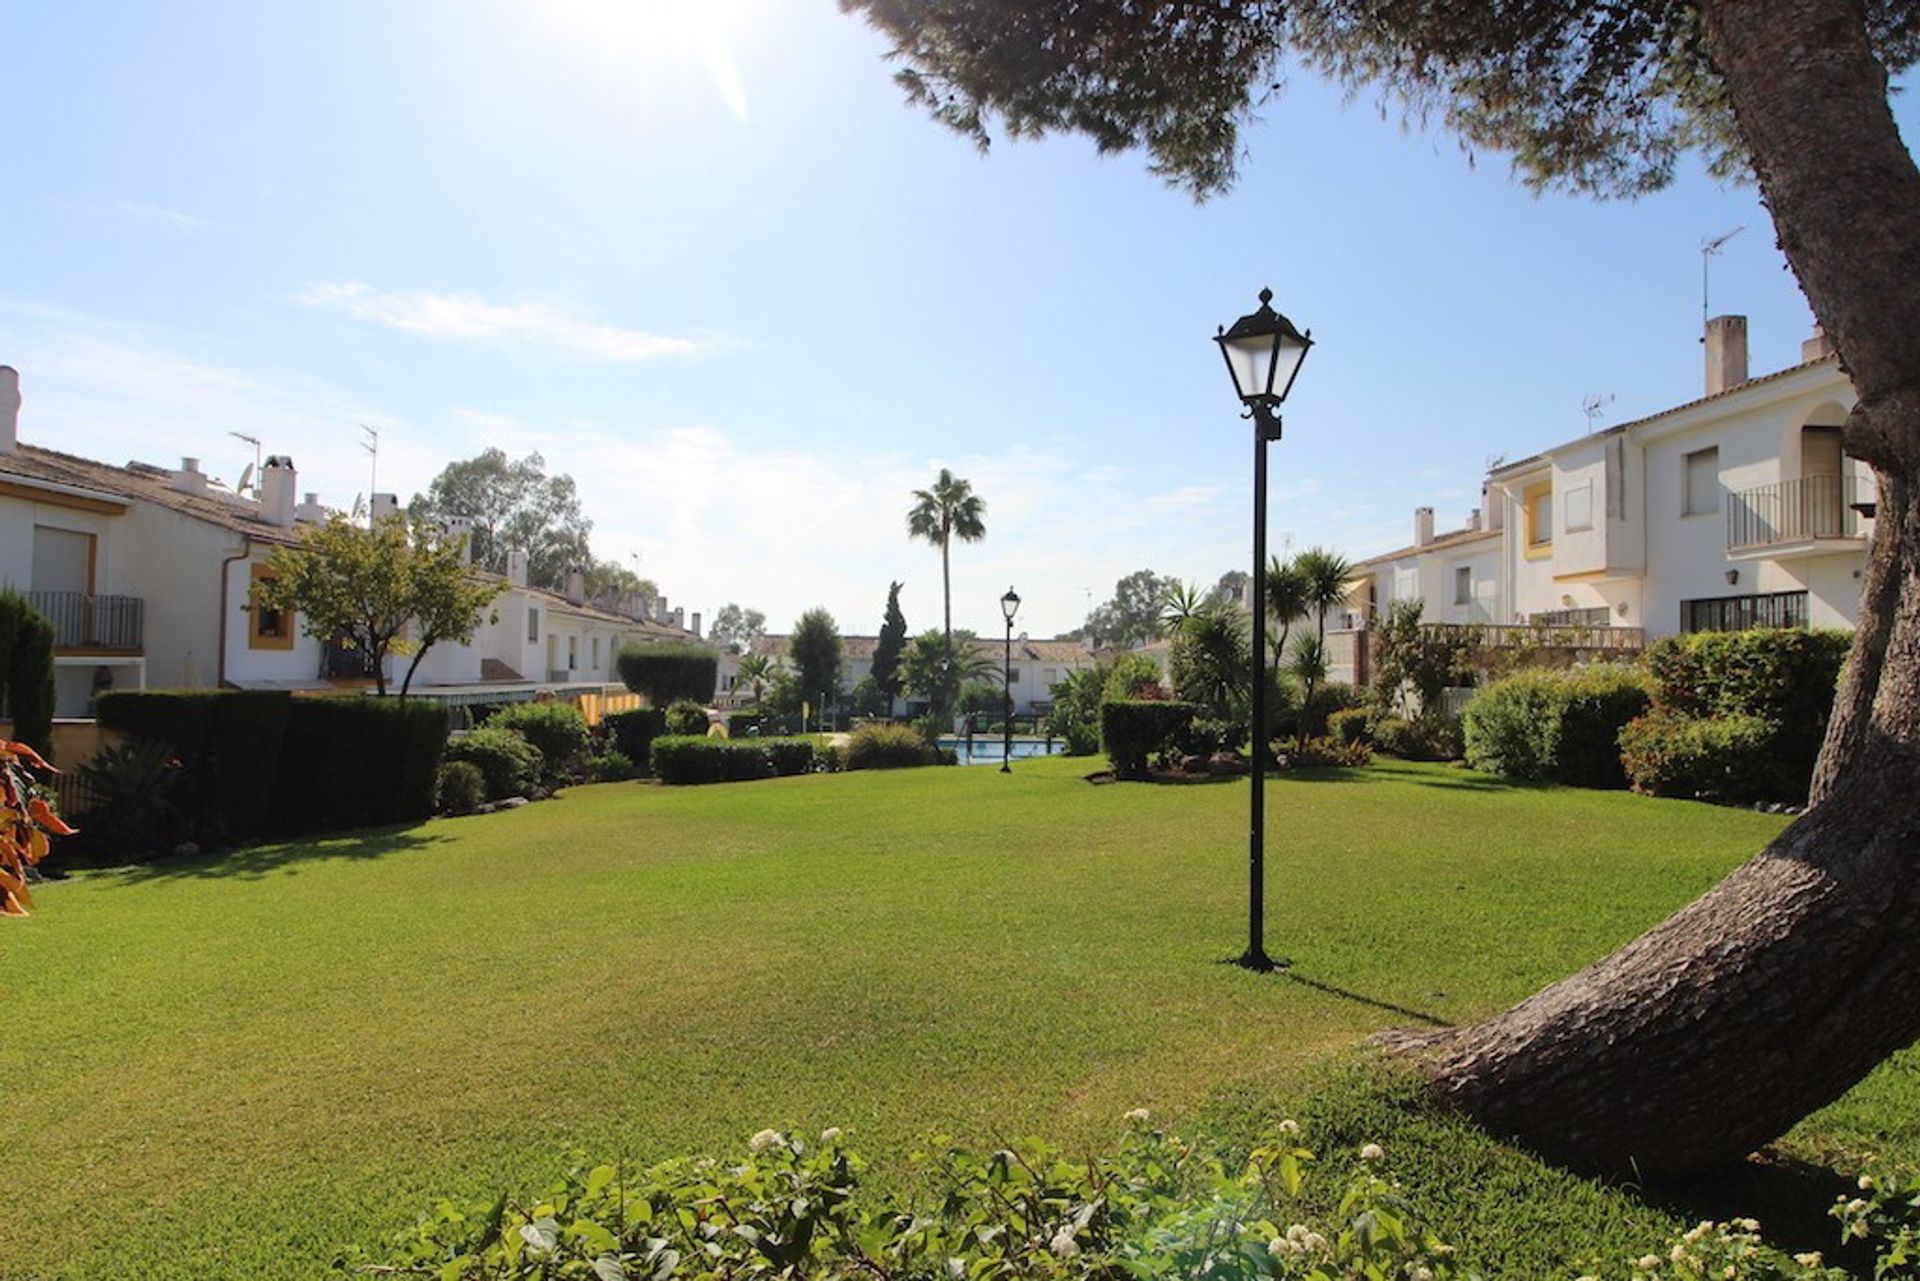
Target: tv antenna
[1708,248]
[254,470]
[1594,407]
[372,445]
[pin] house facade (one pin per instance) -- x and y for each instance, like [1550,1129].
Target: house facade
[1036,666]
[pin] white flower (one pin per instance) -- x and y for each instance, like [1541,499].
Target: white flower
[1420,1273]
[1063,1245]
[1811,1259]
[1747,1225]
[1866,1183]
[1856,1207]
[830,1135]
[1649,1263]
[764,1140]
[1139,1116]
[1290,1128]
[1699,1230]
[1373,1152]
[957,1269]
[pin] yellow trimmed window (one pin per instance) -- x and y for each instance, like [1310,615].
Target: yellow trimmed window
[267,628]
[1536,506]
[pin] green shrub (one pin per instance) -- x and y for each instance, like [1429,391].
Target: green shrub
[556,729]
[1432,736]
[132,810]
[611,766]
[1325,753]
[685,717]
[26,672]
[632,733]
[788,756]
[229,741]
[741,724]
[665,673]
[1136,730]
[1130,676]
[509,763]
[460,788]
[1724,757]
[887,747]
[1784,676]
[1557,726]
[1350,725]
[356,761]
[680,760]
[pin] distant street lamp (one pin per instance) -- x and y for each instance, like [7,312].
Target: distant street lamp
[1263,353]
[1009,605]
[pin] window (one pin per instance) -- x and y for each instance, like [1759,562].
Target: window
[1013,676]
[573,652]
[1738,613]
[1578,509]
[1463,585]
[1536,506]
[596,653]
[1702,496]
[533,623]
[1050,677]
[267,628]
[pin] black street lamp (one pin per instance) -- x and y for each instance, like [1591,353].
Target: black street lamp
[1009,605]
[1263,353]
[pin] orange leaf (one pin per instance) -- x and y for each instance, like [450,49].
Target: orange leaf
[37,846]
[25,753]
[43,814]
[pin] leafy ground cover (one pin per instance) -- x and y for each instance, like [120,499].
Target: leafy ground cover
[237,1068]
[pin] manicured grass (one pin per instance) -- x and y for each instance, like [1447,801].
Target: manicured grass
[235,1068]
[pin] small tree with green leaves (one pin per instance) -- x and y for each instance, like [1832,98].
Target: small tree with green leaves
[663,672]
[887,651]
[817,654]
[398,588]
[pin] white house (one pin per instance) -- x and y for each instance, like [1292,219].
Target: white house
[1036,666]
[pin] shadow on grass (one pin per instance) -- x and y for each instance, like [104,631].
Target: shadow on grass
[285,857]
[1359,998]
[1790,1197]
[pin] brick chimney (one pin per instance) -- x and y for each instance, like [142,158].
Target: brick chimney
[1818,346]
[278,481]
[9,409]
[1726,353]
[1422,526]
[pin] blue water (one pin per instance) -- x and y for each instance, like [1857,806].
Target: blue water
[991,750]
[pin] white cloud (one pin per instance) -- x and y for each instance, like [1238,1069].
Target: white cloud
[172,219]
[467,317]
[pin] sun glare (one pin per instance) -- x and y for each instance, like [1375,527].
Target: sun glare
[645,34]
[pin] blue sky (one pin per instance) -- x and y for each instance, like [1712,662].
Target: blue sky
[701,255]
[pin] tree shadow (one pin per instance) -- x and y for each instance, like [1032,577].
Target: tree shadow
[253,862]
[1790,1197]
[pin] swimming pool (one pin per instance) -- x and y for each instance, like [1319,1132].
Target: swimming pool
[986,749]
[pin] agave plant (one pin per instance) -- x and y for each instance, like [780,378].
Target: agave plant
[132,808]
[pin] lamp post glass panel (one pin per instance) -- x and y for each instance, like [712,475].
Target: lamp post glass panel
[1263,352]
[1009,606]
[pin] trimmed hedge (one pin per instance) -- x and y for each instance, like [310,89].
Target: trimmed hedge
[1134,730]
[1724,757]
[556,728]
[356,762]
[682,759]
[26,671]
[633,732]
[667,672]
[1558,726]
[888,747]
[229,741]
[506,760]
[1784,676]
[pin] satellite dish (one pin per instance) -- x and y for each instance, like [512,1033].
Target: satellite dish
[246,480]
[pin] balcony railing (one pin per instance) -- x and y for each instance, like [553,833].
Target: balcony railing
[1546,636]
[84,621]
[1798,511]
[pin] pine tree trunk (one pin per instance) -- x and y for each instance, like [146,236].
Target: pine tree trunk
[1794,977]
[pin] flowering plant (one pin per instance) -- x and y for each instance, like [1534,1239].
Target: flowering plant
[26,823]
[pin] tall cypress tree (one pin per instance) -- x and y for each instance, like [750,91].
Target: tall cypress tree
[886,653]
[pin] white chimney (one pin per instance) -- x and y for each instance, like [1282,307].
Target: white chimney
[311,510]
[9,409]
[517,567]
[383,506]
[1473,520]
[278,482]
[680,618]
[660,611]
[1817,347]
[1726,353]
[189,479]
[576,587]
[1422,526]
[460,528]
[1493,505]
[696,625]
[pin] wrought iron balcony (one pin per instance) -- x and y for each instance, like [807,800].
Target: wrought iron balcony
[82,621]
[1807,510]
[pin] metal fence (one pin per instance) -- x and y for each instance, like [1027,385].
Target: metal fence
[1798,511]
[1738,613]
[82,620]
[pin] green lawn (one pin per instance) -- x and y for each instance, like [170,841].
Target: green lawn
[235,1068]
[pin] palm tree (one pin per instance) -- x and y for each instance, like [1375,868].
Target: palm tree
[756,672]
[1326,574]
[1182,601]
[1287,598]
[947,511]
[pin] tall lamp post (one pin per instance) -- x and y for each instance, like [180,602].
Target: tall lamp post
[1009,606]
[1264,353]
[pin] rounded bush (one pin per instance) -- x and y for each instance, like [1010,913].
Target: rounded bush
[1725,757]
[1350,725]
[557,729]
[508,762]
[887,747]
[1558,726]
[611,766]
[686,717]
[459,788]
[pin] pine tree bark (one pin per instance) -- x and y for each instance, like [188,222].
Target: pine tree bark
[1789,981]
